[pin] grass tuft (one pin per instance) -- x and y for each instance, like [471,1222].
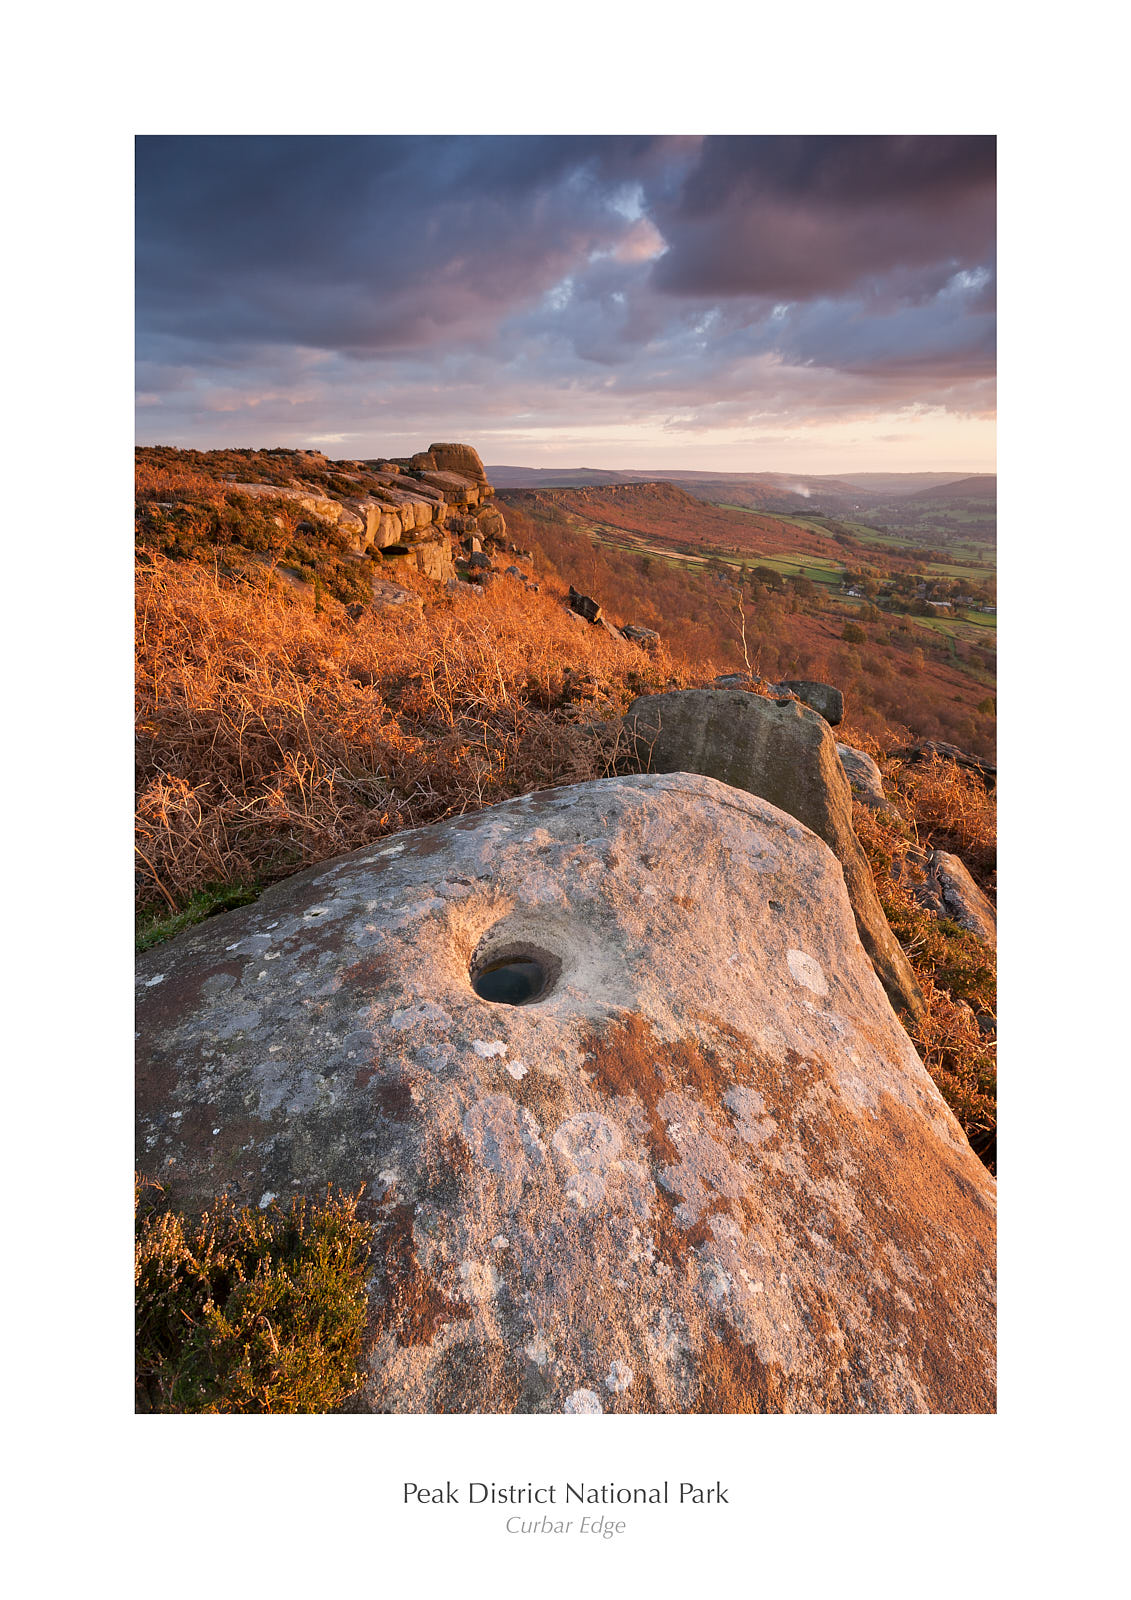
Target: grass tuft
[153,927]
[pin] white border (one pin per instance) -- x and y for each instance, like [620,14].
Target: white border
[294,1506]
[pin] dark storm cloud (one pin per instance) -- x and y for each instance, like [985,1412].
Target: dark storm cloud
[798,217]
[368,244]
[302,284]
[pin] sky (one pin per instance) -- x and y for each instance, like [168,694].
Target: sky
[804,304]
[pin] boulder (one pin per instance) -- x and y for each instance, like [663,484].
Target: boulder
[701,1169]
[948,890]
[456,489]
[864,777]
[932,749]
[490,524]
[584,605]
[823,698]
[646,638]
[459,458]
[739,680]
[392,597]
[786,753]
[434,558]
[478,561]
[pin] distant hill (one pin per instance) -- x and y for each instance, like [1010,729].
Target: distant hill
[983,487]
[848,494]
[668,513]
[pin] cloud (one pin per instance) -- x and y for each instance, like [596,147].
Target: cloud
[357,289]
[797,218]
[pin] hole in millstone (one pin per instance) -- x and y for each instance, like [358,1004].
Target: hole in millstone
[516,976]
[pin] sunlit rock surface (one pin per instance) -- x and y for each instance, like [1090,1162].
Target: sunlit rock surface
[701,1169]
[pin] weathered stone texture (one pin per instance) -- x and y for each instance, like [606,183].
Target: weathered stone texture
[704,1171]
[823,698]
[786,753]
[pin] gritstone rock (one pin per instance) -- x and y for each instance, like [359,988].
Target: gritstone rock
[703,1169]
[740,680]
[458,458]
[962,899]
[584,605]
[943,886]
[864,777]
[490,524]
[785,753]
[823,698]
[927,749]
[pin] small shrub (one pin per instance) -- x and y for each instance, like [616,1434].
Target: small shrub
[957,1034]
[246,1310]
[853,633]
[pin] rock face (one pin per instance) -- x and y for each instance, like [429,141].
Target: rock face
[946,889]
[461,459]
[490,524]
[787,754]
[584,605]
[864,777]
[823,698]
[963,901]
[432,557]
[928,749]
[702,1169]
[402,506]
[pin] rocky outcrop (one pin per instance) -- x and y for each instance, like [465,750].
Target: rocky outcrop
[942,885]
[584,605]
[702,1168]
[864,777]
[318,505]
[935,749]
[416,502]
[432,557]
[823,698]
[461,459]
[390,597]
[489,524]
[785,753]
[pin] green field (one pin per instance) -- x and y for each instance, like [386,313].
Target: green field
[972,627]
[799,564]
[976,572]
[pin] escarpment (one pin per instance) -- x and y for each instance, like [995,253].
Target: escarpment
[414,513]
[639,1128]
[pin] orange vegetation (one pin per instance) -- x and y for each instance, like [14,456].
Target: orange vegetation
[271,735]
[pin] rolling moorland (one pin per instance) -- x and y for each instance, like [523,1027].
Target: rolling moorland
[330,652]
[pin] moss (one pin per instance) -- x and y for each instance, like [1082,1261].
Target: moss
[245,1310]
[207,902]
